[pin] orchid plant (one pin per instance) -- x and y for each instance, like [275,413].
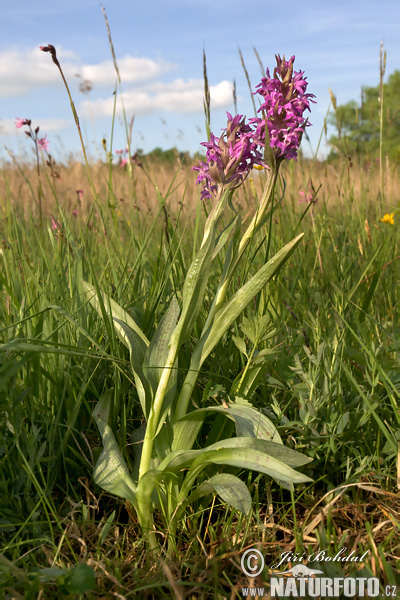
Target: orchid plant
[169,473]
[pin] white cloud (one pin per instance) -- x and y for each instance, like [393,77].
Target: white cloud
[23,71]
[20,72]
[131,69]
[177,96]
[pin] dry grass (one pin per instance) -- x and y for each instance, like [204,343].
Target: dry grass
[336,182]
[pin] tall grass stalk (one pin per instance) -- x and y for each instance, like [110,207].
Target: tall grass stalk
[382,69]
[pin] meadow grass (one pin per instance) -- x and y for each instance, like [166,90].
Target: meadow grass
[328,325]
[331,384]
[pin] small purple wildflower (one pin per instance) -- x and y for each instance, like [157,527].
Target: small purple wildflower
[124,161]
[285,100]
[75,213]
[229,161]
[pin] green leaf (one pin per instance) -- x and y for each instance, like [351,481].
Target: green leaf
[276,450]
[136,354]
[257,328]
[195,285]
[156,354]
[229,313]
[111,472]
[129,333]
[113,309]
[247,458]
[186,430]
[249,421]
[79,580]
[229,488]
[240,344]
[264,456]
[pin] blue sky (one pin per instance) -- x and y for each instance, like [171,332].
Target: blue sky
[159,49]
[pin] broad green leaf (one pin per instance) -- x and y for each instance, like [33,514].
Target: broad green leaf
[186,430]
[129,333]
[156,357]
[195,285]
[136,355]
[273,449]
[229,313]
[248,458]
[248,421]
[80,579]
[229,488]
[264,456]
[111,472]
[156,354]
[137,438]
[113,309]
[167,469]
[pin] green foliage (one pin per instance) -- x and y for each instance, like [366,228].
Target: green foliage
[358,124]
[304,368]
[168,157]
[168,438]
[329,385]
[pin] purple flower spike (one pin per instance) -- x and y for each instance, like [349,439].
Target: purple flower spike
[229,158]
[285,100]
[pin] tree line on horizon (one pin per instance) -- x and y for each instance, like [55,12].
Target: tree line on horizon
[358,125]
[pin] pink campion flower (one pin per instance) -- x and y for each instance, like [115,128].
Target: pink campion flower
[229,158]
[285,101]
[20,123]
[123,162]
[75,213]
[308,196]
[43,143]
[305,197]
[55,224]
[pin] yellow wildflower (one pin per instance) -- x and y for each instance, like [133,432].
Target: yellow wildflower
[388,218]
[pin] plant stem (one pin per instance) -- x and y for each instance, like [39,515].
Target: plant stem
[155,410]
[382,68]
[195,364]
